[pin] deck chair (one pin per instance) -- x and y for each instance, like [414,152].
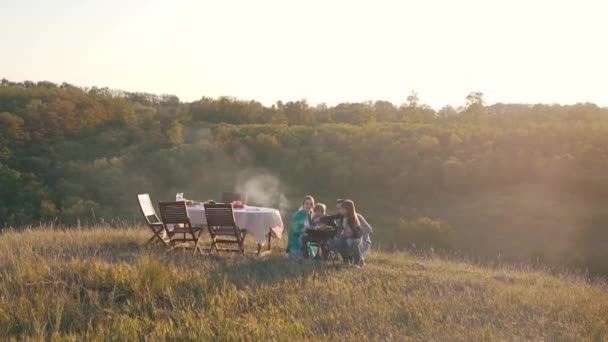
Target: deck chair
[152,220]
[223,230]
[229,197]
[175,214]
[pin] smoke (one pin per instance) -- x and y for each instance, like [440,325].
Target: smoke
[263,189]
[199,136]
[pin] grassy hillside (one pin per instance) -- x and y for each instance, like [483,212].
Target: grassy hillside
[509,182]
[103,284]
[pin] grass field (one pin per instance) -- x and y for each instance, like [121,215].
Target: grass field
[102,284]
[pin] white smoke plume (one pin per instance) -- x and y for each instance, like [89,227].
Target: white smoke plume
[263,189]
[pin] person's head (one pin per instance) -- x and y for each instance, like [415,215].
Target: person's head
[308,203]
[338,202]
[347,209]
[319,209]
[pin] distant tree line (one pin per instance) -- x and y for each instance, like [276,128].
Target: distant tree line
[69,153]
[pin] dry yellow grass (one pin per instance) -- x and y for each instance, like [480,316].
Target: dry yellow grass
[102,284]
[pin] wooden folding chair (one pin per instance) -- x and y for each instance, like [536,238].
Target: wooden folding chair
[154,223]
[176,215]
[229,197]
[222,228]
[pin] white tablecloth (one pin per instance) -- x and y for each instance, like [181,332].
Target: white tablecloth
[257,221]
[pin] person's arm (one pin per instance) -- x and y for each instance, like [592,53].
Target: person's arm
[364,225]
[330,220]
[296,223]
[292,226]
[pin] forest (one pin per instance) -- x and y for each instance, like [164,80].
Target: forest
[517,182]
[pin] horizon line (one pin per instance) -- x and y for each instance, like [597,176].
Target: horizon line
[311,103]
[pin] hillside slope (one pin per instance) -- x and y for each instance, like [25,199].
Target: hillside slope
[102,284]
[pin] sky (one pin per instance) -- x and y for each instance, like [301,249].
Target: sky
[331,51]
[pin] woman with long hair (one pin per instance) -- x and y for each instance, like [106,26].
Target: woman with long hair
[349,237]
[300,221]
[366,240]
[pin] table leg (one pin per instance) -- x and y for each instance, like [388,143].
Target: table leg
[269,237]
[267,251]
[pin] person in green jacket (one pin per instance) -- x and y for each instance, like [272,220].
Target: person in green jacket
[300,221]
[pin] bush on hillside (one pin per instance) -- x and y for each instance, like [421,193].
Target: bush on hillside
[425,233]
[592,243]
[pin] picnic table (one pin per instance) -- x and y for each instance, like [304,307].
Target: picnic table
[261,223]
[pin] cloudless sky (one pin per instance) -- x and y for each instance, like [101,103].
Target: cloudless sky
[325,51]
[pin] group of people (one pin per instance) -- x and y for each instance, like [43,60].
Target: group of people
[312,232]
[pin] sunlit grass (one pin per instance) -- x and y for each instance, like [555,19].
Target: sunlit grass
[103,284]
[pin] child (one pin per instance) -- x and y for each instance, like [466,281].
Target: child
[315,223]
[317,213]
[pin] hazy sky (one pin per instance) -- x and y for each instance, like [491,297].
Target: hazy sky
[324,51]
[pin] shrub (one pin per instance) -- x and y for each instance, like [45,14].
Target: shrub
[592,243]
[425,233]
